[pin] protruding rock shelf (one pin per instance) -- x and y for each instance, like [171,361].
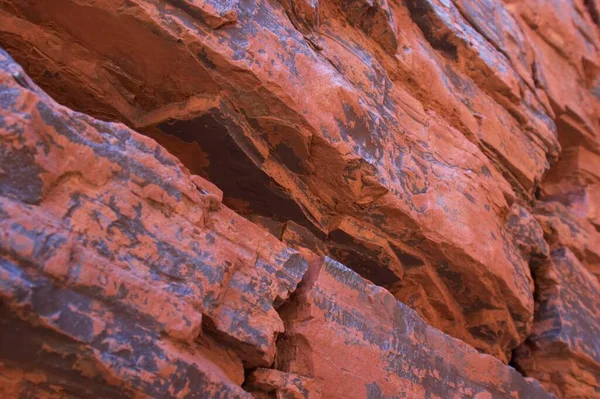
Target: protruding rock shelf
[123,275]
[363,343]
[300,198]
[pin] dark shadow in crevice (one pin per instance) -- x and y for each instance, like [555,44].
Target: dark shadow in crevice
[372,263]
[213,147]
[594,12]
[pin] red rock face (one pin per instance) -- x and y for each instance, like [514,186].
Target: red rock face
[563,350]
[148,286]
[363,343]
[435,155]
[390,186]
[118,261]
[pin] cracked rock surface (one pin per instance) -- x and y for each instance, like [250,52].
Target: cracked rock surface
[300,198]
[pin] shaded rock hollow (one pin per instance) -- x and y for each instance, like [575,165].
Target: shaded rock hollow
[313,186]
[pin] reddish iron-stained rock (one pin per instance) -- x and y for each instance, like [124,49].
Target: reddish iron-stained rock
[57,341]
[575,182]
[363,343]
[563,351]
[119,262]
[563,229]
[529,235]
[477,61]
[342,118]
[565,43]
[269,383]
[448,151]
[108,296]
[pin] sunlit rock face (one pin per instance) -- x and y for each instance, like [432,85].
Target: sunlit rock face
[300,198]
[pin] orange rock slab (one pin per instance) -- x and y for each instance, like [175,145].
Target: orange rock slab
[362,343]
[302,111]
[133,280]
[119,262]
[563,351]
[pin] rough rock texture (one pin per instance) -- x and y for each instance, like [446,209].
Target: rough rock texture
[563,350]
[445,151]
[562,228]
[123,275]
[319,112]
[339,323]
[118,266]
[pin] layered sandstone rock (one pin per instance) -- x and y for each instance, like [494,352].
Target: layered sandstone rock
[562,228]
[123,275]
[318,109]
[363,343]
[446,151]
[119,262]
[563,351]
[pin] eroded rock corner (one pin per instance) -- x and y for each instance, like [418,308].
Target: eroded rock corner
[300,199]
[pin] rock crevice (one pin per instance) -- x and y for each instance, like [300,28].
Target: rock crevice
[312,185]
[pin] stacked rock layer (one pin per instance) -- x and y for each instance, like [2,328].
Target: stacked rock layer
[300,198]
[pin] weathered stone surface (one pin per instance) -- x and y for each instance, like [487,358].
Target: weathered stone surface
[364,344]
[575,182]
[448,151]
[117,260]
[318,115]
[524,144]
[563,229]
[57,341]
[565,43]
[269,383]
[563,351]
